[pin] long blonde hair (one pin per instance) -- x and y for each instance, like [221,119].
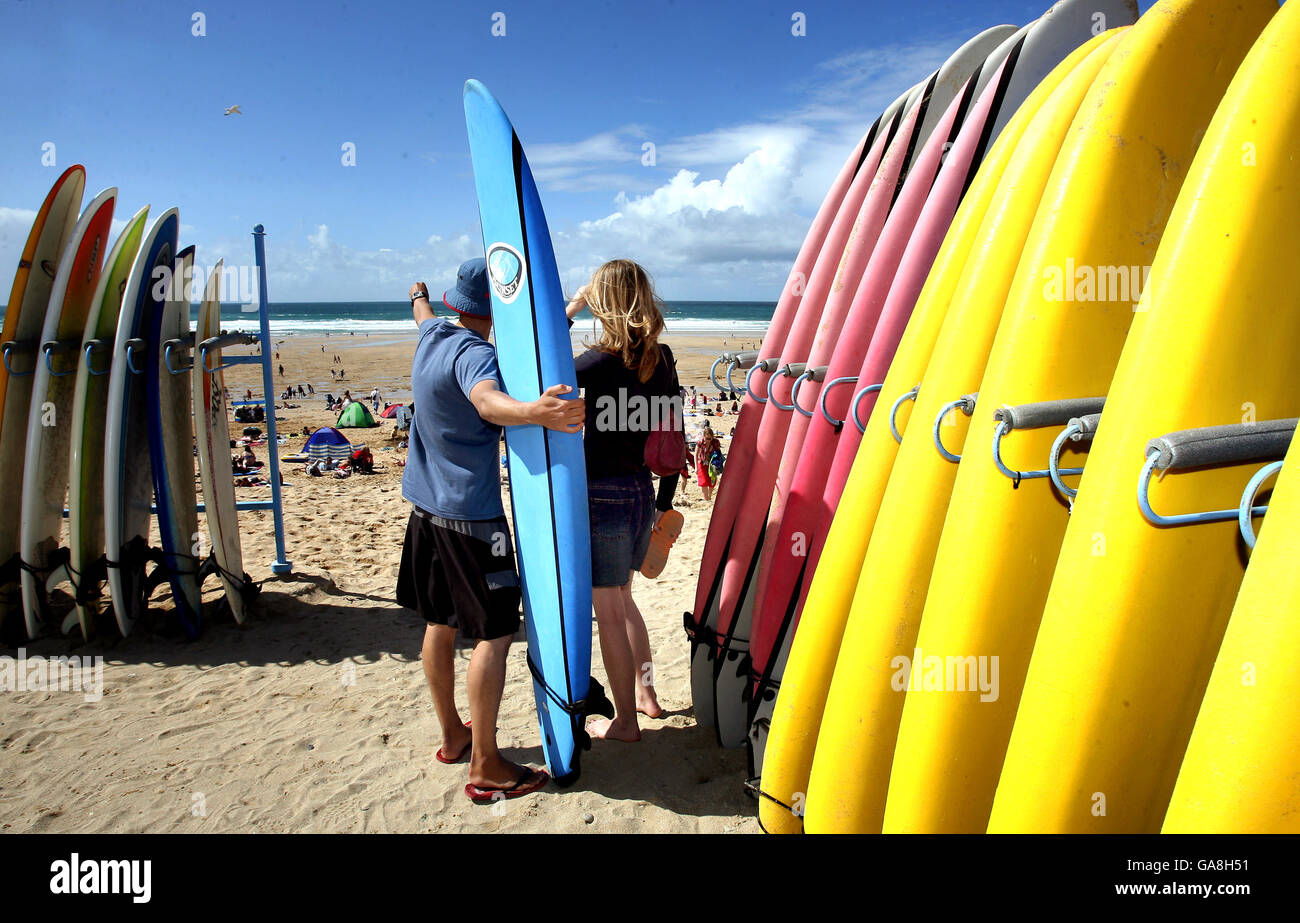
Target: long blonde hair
[622,298]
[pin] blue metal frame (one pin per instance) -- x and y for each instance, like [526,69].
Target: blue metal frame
[938,422]
[280,565]
[821,401]
[794,393]
[749,389]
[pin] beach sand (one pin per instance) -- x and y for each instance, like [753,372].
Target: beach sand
[314,715]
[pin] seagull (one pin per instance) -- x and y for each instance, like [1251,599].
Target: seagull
[233,110]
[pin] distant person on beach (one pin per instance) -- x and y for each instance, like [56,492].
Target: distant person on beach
[458,565]
[628,369]
[705,446]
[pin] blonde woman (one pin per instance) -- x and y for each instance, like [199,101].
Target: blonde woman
[629,380]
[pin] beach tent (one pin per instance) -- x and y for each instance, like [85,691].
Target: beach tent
[355,415]
[329,443]
[391,411]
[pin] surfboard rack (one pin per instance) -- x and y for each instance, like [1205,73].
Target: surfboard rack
[1079,429]
[734,360]
[762,365]
[1234,444]
[790,370]
[177,346]
[826,388]
[966,404]
[96,346]
[817,374]
[1033,416]
[9,348]
[53,348]
[893,412]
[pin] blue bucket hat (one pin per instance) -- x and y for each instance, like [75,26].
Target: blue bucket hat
[470,296]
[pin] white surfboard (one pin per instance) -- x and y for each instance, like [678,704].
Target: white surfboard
[212,432]
[171,444]
[89,416]
[128,484]
[49,419]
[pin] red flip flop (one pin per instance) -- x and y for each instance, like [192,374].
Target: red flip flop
[461,756]
[490,795]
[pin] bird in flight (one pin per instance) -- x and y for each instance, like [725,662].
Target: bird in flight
[233,110]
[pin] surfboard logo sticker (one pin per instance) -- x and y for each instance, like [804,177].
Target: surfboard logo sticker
[505,271]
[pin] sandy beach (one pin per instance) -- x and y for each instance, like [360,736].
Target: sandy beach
[314,716]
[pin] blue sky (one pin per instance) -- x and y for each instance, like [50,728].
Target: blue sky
[749,123]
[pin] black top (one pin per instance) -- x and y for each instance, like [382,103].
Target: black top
[620,412]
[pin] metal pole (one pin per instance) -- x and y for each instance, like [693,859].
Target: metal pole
[281,565]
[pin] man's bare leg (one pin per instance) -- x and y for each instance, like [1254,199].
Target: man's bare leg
[486,681]
[438,655]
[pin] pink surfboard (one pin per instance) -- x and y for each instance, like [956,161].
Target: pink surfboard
[802,287]
[806,496]
[742,443]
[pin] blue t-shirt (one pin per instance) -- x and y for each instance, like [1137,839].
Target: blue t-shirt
[453,463]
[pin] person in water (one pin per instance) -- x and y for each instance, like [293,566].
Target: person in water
[630,381]
[458,565]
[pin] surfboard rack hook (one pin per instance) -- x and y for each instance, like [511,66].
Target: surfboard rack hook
[1233,444]
[857,401]
[89,350]
[51,348]
[826,388]
[966,404]
[743,360]
[1079,429]
[1247,507]
[176,346]
[713,369]
[817,374]
[6,350]
[762,365]
[790,370]
[893,412]
[221,342]
[1035,415]
[131,346]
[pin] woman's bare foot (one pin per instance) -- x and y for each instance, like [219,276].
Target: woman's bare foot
[615,729]
[647,703]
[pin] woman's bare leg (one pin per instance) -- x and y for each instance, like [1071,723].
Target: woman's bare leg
[620,667]
[647,703]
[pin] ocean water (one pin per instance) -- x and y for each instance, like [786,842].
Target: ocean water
[393,318]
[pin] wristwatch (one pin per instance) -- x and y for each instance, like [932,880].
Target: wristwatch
[417,296]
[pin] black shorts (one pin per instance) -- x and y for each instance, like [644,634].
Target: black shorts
[460,573]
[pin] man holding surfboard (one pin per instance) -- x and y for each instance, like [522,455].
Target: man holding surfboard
[458,567]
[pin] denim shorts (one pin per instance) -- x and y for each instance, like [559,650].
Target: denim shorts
[622,512]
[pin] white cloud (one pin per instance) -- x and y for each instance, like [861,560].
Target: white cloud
[730,219]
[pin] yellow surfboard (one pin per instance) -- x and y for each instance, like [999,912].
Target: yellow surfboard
[1136,612]
[1239,772]
[973,233]
[863,706]
[1060,337]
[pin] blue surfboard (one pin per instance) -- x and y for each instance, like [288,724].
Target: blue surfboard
[548,474]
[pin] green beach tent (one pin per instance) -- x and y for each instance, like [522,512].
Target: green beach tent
[355,415]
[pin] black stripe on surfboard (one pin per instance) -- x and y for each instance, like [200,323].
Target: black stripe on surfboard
[867,142]
[724,645]
[915,135]
[517,156]
[963,106]
[764,680]
[999,96]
